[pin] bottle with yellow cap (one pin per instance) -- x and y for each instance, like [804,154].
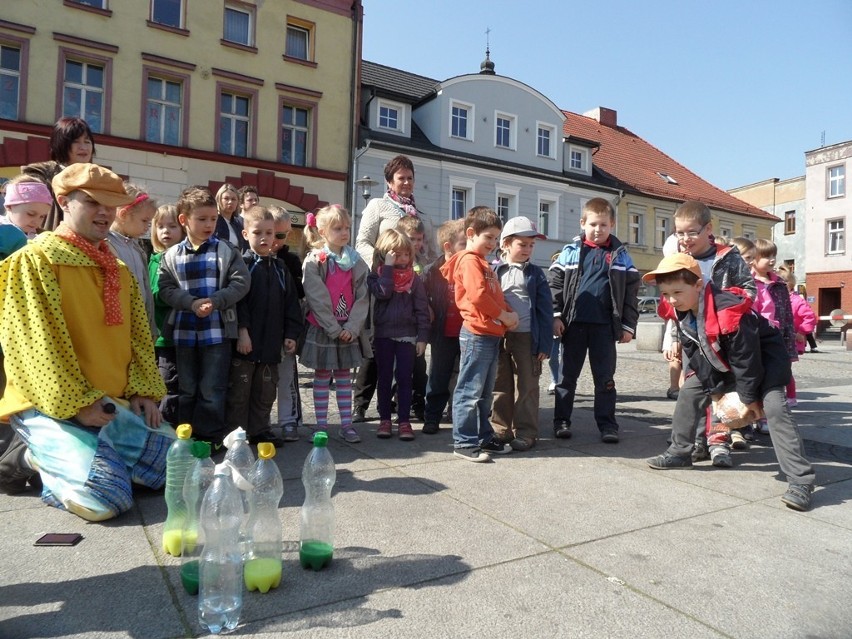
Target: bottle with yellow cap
[262,568]
[179,460]
[198,480]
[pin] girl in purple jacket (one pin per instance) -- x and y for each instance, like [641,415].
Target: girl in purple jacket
[400,327]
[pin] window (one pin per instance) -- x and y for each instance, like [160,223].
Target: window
[726,230]
[239,24]
[576,160]
[504,131]
[548,213]
[391,116]
[10,81]
[234,122]
[97,4]
[461,120]
[167,12]
[835,236]
[545,146]
[294,135]
[634,228]
[749,232]
[837,181]
[163,111]
[83,93]
[299,44]
[503,202]
[789,222]
[458,205]
[544,218]
[663,230]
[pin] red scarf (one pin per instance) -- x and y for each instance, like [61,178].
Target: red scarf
[403,278]
[103,257]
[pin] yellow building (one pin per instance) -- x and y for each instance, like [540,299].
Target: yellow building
[182,92]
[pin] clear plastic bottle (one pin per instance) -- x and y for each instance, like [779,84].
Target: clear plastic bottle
[316,545]
[220,570]
[262,569]
[179,459]
[241,459]
[198,480]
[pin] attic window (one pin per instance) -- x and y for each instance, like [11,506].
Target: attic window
[668,178]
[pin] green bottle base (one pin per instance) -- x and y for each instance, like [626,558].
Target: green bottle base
[315,554]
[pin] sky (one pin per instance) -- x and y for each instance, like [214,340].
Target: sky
[735,90]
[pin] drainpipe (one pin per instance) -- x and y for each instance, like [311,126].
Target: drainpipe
[355,89]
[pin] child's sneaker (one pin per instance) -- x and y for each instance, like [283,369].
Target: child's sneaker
[385,429]
[472,454]
[350,435]
[291,432]
[720,457]
[798,496]
[792,402]
[738,440]
[406,433]
[762,427]
[496,446]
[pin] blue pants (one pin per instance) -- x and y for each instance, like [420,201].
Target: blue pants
[203,381]
[389,355]
[445,352]
[474,389]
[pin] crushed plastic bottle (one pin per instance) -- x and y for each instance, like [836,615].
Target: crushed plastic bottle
[241,460]
[316,546]
[179,460]
[262,569]
[220,571]
[197,482]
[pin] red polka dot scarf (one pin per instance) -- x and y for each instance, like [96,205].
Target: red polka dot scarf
[101,255]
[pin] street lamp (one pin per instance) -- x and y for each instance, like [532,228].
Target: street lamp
[366,183]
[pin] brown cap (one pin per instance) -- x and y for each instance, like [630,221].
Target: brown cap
[99,183]
[671,264]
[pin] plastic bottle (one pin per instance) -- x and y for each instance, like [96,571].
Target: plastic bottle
[316,545]
[220,570]
[179,459]
[240,457]
[262,569]
[198,480]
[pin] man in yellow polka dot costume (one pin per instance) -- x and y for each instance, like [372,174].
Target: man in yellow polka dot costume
[83,383]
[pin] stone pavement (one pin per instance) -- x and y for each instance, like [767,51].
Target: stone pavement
[572,539]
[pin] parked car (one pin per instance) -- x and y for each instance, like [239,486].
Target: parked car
[648,304]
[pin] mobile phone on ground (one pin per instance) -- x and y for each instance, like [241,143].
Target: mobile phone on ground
[59,539]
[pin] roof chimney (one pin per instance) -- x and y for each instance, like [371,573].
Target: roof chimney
[607,117]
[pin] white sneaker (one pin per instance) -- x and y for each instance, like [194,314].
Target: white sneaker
[792,402]
[551,388]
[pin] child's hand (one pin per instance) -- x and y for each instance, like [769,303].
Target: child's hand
[626,337]
[754,407]
[345,336]
[542,356]
[558,327]
[509,319]
[243,342]
[420,348]
[390,258]
[289,346]
[202,307]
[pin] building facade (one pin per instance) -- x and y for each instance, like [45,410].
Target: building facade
[827,216]
[182,92]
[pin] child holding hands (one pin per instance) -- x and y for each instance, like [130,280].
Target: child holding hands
[400,326]
[335,281]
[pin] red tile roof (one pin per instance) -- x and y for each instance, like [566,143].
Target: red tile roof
[635,163]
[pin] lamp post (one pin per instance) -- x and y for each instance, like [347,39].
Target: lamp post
[366,184]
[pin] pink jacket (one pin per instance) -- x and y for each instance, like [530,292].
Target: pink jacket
[804,319]
[763,303]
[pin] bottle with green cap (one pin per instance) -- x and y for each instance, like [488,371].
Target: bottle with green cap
[262,567]
[198,480]
[178,461]
[316,537]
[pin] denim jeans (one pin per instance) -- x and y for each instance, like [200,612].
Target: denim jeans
[203,381]
[445,352]
[474,389]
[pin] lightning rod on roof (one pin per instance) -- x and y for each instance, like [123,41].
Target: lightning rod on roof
[822,139]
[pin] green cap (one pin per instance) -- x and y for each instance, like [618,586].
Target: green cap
[201,450]
[320,439]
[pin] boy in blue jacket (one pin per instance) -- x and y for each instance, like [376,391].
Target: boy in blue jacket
[730,348]
[525,347]
[594,286]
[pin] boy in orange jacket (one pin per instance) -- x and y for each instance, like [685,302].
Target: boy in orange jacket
[486,317]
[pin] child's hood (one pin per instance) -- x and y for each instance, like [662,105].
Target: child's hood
[451,266]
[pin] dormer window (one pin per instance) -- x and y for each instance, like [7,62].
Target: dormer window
[391,116]
[461,120]
[668,178]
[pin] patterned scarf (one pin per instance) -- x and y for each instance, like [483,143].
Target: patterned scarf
[403,278]
[405,203]
[345,261]
[102,257]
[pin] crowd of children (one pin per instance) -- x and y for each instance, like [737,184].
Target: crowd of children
[230,323]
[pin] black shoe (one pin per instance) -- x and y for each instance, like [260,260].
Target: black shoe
[359,415]
[562,430]
[431,428]
[419,413]
[609,437]
[269,437]
[495,446]
[13,474]
[667,461]
[700,452]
